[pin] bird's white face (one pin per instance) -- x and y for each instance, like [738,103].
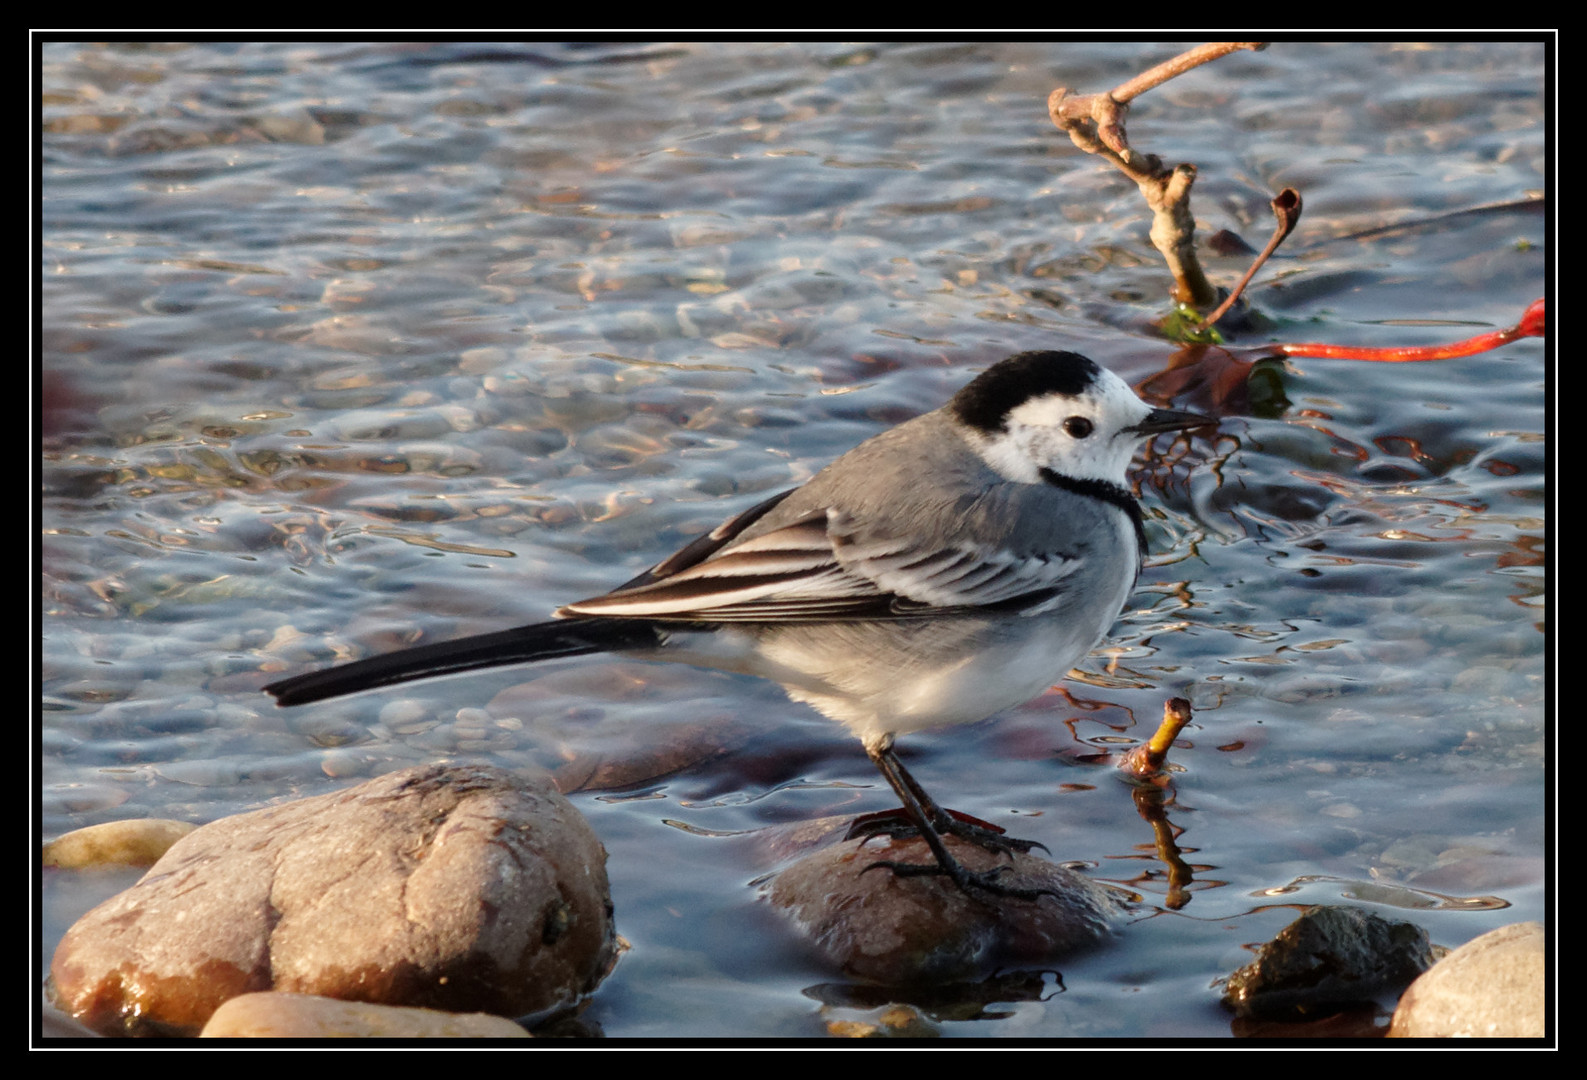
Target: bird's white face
[1084,436]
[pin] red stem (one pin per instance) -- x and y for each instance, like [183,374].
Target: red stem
[1531,325]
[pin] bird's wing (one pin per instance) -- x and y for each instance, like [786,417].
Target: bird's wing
[948,574]
[823,566]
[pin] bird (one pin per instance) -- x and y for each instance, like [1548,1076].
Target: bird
[948,568]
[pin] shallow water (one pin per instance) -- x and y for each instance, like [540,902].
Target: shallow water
[348,346]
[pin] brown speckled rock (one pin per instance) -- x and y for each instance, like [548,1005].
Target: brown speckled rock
[896,930]
[1495,986]
[464,889]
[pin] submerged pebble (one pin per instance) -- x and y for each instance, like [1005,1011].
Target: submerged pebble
[305,1016]
[123,843]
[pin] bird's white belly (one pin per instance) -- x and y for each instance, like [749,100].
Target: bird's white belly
[886,678]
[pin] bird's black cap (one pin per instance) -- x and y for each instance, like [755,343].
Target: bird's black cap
[986,401]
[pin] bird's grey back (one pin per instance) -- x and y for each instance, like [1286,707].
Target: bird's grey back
[922,479]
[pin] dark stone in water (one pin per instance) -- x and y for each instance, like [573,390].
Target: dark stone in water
[878,926]
[1329,958]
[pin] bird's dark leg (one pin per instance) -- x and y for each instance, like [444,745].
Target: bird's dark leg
[931,821]
[946,822]
[940,818]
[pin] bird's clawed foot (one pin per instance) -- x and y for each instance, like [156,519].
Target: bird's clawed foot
[897,825]
[967,880]
[921,816]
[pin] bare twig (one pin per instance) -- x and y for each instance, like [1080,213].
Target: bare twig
[1146,761]
[1107,110]
[1286,208]
[1147,765]
[1095,123]
[1180,64]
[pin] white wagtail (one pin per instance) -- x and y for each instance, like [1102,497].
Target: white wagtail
[956,565]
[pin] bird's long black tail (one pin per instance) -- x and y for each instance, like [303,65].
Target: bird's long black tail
[538,641]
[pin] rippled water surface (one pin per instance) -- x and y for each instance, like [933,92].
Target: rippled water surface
[350,346]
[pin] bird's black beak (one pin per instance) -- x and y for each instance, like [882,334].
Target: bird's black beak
[1170,420]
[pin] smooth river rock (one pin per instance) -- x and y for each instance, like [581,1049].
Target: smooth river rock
[1493,987]
[465,889]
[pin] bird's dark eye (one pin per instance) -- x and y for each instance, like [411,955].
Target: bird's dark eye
[1078,427]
